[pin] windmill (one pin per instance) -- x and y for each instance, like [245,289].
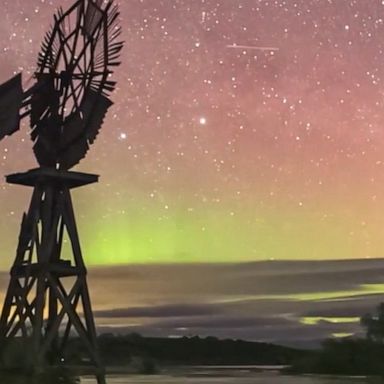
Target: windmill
[47,299]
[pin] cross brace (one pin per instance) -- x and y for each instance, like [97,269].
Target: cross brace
[47,299]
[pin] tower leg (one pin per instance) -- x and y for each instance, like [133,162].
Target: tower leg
[48,290]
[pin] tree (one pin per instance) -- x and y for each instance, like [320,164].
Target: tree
[374,324]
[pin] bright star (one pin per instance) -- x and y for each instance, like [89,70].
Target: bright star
[203,120]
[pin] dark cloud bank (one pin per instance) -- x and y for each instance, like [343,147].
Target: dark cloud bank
[289,302]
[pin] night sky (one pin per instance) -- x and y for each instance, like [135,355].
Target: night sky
[242,130]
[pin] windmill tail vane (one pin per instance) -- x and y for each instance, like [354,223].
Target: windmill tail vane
[11,99]
[66,107]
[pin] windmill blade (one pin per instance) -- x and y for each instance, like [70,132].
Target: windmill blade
[44,135]
[93,16]
[42,100]
[11,99]
[82,128]
[44,121]
[69,103]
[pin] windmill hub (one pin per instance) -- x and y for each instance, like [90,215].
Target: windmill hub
[65,78]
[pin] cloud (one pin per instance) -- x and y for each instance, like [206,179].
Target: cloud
[223,322]
[176,310]
[256,301]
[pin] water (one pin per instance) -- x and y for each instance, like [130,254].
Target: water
[255,378]
[205,375]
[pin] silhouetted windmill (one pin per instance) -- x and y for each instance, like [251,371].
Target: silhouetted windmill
[47,299]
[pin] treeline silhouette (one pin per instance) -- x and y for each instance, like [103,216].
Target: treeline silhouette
[137,354]
[349,356]
[122,350]
[354,357]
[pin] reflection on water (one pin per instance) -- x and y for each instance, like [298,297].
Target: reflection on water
[198,376]
[232,379]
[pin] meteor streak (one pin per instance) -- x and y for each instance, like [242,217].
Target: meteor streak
[253,47]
